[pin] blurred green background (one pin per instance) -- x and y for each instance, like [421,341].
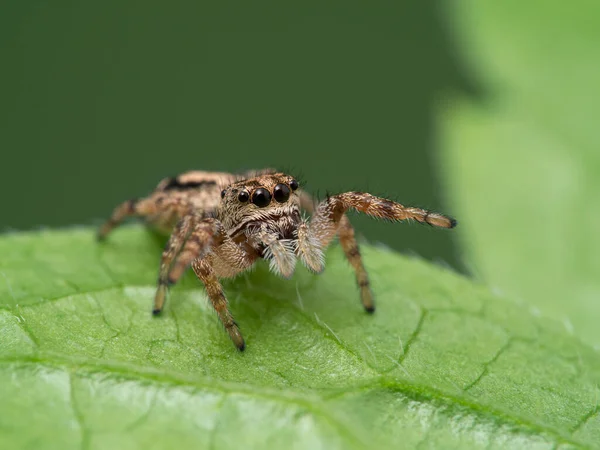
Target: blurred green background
[100,100]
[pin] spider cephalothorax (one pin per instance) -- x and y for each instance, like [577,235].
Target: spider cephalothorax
[266,201]
[222,223]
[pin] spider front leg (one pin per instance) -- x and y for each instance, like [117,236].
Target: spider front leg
[330,219]
[312,255]
[194,237]
[328,214]
[207,275]
[175,244]
[352,252]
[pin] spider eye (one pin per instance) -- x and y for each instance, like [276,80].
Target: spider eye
[261,197]
[243,196]
[223,192]
[294,185]
[281,193]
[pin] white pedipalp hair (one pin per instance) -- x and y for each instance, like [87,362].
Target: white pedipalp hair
[309,248]
[281,256]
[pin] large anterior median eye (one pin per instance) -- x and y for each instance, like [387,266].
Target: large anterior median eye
[281,193]
[261,197]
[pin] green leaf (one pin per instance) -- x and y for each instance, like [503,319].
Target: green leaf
[443,362]
[523,162]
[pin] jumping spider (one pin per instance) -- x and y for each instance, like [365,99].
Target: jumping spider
[222,223]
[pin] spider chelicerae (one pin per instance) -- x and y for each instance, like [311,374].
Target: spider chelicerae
[221,224]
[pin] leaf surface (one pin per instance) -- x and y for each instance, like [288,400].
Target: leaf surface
[443,362]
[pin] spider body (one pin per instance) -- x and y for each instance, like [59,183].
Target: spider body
[222,223]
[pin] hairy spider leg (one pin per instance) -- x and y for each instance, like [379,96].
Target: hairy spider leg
[330,219]
[349,246]
[217,297]
[159,209]
[194,238]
